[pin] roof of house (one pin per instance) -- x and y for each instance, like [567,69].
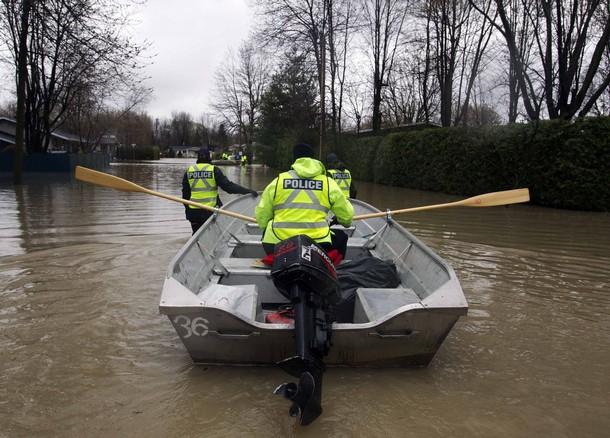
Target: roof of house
[10,139]
[62,135]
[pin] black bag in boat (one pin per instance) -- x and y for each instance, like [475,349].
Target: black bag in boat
[363,272]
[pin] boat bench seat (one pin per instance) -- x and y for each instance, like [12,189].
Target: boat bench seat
[374,303]
[250,266]
[242,299]
[252,239]
[253,229]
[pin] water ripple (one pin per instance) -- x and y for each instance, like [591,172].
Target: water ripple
[85,352]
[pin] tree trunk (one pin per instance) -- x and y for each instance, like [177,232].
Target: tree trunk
[376,102]
[22,69]
[513,94]
[446,102]
[322,81]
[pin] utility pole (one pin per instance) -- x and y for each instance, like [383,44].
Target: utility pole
[22,71]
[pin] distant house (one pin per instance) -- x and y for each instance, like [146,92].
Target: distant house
[60,141]
[109,140]
[64,152]
[185,151]
[108,144]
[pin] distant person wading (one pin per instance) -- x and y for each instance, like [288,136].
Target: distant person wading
[200,184]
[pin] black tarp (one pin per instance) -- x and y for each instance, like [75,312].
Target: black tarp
[369,272]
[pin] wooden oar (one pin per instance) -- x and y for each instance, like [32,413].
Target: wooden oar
[114,182]
[487,200]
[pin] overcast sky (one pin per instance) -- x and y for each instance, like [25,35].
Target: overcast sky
[189,39]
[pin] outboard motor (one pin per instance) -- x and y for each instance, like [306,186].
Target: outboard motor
[303,273]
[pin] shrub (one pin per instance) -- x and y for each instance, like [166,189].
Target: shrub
[564,164]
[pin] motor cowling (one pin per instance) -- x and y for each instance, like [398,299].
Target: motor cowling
[303,273]
[299,260]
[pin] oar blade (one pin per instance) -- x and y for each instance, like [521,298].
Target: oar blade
[498,198]
[105,180]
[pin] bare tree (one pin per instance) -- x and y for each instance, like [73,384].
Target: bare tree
[182,128]
[476,36]
[302,24]
[72,45]
[601,107]
[357,98]
[18,30]
[91,118]
[342,18]
[384,21]
[132,127]
[570,38]
[412,91]
[417,65]
[401,99]
[460,37]
[428,90]
[523,42]
[240,84]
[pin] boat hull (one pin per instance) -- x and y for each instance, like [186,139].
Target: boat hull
[217,298]
[411,338]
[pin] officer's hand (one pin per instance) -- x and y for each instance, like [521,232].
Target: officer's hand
[333,221]
[254,193]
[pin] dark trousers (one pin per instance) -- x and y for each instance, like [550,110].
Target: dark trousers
[197,218]
[338,242]
[195,226]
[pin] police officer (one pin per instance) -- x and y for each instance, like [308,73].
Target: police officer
[200,184]
[343,177]
[298,201]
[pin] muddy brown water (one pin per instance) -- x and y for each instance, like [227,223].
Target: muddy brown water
[85,353]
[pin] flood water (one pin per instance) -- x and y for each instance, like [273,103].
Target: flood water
[84,352]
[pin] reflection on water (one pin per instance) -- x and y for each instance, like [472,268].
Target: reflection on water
[85,352]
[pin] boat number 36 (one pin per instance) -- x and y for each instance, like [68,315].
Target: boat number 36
[196,326]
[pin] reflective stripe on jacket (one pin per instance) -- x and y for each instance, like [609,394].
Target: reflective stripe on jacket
[343,179]
[203,184]
[300,206]
[307,169]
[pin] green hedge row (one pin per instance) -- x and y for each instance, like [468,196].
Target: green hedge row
[564,164]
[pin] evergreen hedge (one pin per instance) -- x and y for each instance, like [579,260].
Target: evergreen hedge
[564,164]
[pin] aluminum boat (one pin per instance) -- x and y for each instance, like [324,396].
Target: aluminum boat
[217,295]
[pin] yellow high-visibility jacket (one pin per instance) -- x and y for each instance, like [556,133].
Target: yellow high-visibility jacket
[298,201]
[343,179]
[203,184]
